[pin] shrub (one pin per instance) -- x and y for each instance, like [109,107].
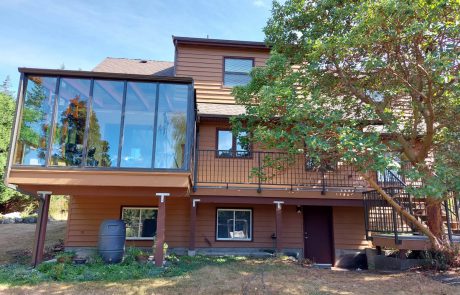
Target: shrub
[65,257]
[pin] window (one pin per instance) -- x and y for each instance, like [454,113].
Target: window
[137,148]
[236,71]
[234,224]
[141,223]
[32,144]
[70,122]
[102,123]
[171,126]
[229,146]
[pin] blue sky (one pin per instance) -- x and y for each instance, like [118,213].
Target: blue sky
[79,34]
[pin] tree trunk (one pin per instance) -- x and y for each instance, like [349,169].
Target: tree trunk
[436,243]
[434,218]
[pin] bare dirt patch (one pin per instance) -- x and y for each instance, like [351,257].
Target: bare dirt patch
[17,240]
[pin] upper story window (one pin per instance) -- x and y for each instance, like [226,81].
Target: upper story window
[236,71]
[89,122]
[229,146]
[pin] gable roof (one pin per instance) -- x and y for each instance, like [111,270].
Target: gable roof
[136,66]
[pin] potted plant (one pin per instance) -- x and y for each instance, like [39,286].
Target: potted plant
[65,257]
[142,257]
[139,255]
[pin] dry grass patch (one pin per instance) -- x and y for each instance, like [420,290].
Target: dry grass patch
[17,239]
[254,276]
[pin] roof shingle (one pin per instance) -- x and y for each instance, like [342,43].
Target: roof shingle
[136,66]
[219,110]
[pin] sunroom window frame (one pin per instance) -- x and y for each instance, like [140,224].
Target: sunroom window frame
[59,75]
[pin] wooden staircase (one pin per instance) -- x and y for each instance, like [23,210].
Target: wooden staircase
[381,217]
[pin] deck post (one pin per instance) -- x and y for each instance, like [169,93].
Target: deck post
[161,228]
[279,226]
[191,248]
[40,228]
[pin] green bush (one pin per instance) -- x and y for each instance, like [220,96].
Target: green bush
[65,257]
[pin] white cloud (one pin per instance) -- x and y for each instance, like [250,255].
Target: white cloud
[261,3]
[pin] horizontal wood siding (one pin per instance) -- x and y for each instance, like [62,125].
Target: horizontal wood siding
[87,213]
[212,169]
[205,66]
[349,228]
[263,227]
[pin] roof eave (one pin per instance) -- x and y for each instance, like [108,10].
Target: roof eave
[219,42]
[103,75]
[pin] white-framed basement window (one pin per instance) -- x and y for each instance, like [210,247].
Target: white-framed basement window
[141,222]
[234,225]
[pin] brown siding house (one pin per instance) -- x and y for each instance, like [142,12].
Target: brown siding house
[115,139]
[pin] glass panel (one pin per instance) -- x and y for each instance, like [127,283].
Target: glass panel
[139,121]
[224,224]
[238,65]
[236,79]
[224,143]
[237,71]
[149,223]
[70,122]
[242,148]
[104,126]
[36,121]
[171,126]
[131,218]
[242,225]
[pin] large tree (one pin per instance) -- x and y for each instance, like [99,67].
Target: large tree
[365,83]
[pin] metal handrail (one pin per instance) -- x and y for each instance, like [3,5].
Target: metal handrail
[271,168]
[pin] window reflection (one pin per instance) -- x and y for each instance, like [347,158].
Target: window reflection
[70,122]
[104,126]
[171,126]
[154,125]
[138,125]
[36,121]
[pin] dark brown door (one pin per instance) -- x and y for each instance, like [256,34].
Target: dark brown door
[318,240]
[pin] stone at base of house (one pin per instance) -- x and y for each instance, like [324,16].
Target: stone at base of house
[383,262]
[251,252]
[370,255]
[350,259]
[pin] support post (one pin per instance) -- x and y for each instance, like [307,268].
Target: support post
[279,226]
[40,228]
[161,226]
[191,248]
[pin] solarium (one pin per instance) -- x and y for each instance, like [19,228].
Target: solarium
[86,122]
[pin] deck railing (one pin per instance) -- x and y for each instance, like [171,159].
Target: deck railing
[271,170]
[382,218]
